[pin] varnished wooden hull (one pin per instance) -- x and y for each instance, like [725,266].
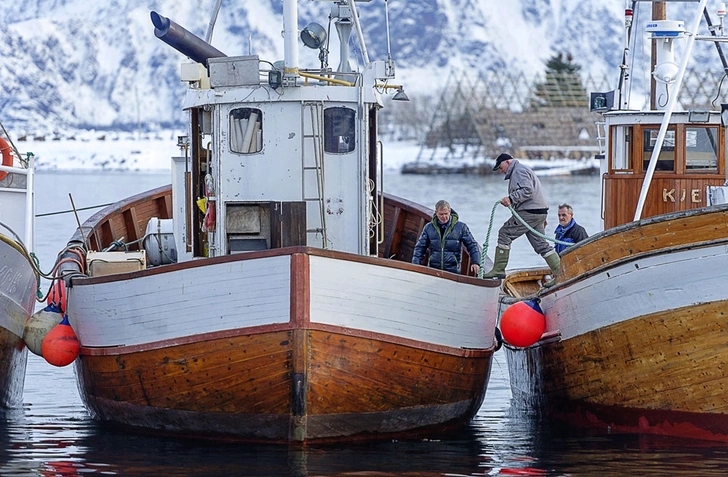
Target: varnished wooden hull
[17,299]
[249,387]
[285,345]
[637,341]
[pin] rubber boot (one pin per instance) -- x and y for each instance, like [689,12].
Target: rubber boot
[554,262]
[499,265]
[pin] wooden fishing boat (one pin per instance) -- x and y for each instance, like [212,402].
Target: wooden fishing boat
[635,337]
[282,306]
[18,283]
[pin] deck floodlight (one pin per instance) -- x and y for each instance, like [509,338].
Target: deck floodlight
[698,115]
[724,114]
[313,36]
[400,95]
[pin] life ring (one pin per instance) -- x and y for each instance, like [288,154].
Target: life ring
[7,157]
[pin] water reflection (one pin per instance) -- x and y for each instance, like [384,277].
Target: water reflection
[121,453]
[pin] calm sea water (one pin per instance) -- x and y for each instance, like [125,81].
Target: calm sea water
[52,435]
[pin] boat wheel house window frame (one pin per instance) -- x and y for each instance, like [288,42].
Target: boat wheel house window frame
[689,149]
[246,130]
[339,130]
[702,146]
[666,159]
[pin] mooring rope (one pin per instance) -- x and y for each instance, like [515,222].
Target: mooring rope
[515,214]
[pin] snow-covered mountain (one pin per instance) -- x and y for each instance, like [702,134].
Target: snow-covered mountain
[97,64]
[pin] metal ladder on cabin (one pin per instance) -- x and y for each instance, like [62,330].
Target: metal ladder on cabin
[601,139]
[313,142]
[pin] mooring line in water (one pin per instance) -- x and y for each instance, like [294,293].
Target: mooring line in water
[72,210]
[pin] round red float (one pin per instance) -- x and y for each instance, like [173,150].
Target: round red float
[523,323]
[61,346]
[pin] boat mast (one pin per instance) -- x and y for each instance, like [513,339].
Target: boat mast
[213,19]
[359,33]
[623,89]
[659,12]
[668,111]
[290,39]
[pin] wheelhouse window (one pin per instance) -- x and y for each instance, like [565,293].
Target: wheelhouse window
[666,159]
[701,149]
[339,130]
[246,130]
[622,151]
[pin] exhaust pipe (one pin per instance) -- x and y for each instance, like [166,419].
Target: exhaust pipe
[184,41]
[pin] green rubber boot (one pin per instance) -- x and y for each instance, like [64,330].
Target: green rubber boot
[554,262]
[499,265]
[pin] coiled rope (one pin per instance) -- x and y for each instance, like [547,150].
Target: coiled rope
[515,214]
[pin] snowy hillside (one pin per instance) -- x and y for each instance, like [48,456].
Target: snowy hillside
[88,64]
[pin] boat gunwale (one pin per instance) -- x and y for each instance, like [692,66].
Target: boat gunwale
[93,222]
[78,280]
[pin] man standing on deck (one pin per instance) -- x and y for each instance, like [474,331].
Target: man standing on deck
[526,196]
[445,236]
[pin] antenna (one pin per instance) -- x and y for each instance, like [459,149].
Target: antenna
[721,14]
[389,65]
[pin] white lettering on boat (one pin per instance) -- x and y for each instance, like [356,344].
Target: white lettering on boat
[9,279]
[668,195]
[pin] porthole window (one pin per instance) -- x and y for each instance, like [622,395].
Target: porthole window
[246,130]
[339,130]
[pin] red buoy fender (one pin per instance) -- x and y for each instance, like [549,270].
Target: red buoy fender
[523,323]
[60,347]
[7,157]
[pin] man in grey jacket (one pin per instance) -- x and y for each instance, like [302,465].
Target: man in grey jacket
[526,196]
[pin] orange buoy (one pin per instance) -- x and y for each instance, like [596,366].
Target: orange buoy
[57,295]
[7,157]
[523,323]
[61,346]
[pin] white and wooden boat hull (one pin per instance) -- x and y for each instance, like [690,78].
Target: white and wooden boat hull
[291,345]
[639,345]
[17,298]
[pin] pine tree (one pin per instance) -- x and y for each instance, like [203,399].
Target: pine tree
[562,86]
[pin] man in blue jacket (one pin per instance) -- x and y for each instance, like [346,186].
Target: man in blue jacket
[444,236]
[568,230]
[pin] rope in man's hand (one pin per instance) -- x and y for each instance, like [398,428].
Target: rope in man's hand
[515,214]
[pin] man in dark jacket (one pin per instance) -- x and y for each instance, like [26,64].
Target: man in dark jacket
[568,230]
[444,237]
